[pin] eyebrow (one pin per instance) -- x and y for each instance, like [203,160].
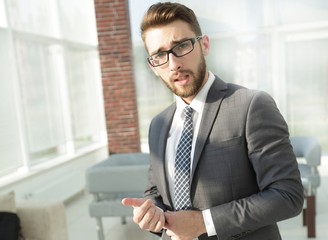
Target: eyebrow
[173,44]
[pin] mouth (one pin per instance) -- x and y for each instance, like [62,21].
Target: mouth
[182,79]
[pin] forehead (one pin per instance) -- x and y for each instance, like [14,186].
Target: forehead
[164,37]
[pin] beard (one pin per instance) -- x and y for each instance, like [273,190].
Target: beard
[192,89]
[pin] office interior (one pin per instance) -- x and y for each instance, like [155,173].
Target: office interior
[52,113]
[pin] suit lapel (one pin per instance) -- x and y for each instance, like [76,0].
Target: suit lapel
[212,105]
[162,141]
[211,108]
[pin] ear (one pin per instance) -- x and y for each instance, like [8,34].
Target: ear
[205,44]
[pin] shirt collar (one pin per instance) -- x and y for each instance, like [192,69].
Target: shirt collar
[198,102]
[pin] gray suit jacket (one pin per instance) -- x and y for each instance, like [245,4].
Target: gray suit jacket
[244,168]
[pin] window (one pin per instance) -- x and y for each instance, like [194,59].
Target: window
[11,156]
[51,92]
[84,95]
[3,19]
[306,76]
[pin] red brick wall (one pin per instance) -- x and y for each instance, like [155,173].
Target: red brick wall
[115,49]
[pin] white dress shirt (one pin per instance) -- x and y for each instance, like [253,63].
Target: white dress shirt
[197,105]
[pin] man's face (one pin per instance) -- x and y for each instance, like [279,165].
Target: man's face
[185,75]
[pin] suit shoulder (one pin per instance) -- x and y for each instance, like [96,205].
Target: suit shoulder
[251,94]
[233,88]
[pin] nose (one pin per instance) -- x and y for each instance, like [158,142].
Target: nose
[175,63]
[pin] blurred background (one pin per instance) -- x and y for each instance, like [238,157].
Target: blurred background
[55,116]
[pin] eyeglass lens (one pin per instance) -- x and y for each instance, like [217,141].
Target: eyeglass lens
[179,50]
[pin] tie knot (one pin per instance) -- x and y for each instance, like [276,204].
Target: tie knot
[187,111]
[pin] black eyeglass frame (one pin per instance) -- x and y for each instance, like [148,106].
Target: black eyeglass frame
[193,41]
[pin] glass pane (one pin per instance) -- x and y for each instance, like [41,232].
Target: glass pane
[306,78]
[10,144]
[3,17]
[41,98]
[244,59]
[301,11]
[85,95]
[82,30]
[34,16]
[227,15]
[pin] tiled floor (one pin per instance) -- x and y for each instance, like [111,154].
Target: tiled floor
[82,227]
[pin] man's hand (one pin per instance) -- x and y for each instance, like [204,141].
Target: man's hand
[146,214]
[184,225]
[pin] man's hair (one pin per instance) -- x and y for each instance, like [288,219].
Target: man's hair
[161,14]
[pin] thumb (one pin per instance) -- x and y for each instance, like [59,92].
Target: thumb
[133,202]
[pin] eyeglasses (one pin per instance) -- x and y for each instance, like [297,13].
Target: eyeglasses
[178,50]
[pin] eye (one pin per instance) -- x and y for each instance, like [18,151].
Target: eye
[183,45]
[159,55]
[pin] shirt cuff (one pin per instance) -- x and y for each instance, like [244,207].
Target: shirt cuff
[208,220]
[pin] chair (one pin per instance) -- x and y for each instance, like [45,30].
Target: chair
[308,152]
[118,176]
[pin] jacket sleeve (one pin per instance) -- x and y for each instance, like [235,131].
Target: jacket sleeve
[152,190]
[280,194]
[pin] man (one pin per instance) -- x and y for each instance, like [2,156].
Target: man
[242,175]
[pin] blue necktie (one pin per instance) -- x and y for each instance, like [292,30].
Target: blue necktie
[182,164]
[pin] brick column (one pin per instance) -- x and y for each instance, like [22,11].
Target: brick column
[115,49]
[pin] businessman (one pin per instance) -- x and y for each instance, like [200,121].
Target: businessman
[221,163]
